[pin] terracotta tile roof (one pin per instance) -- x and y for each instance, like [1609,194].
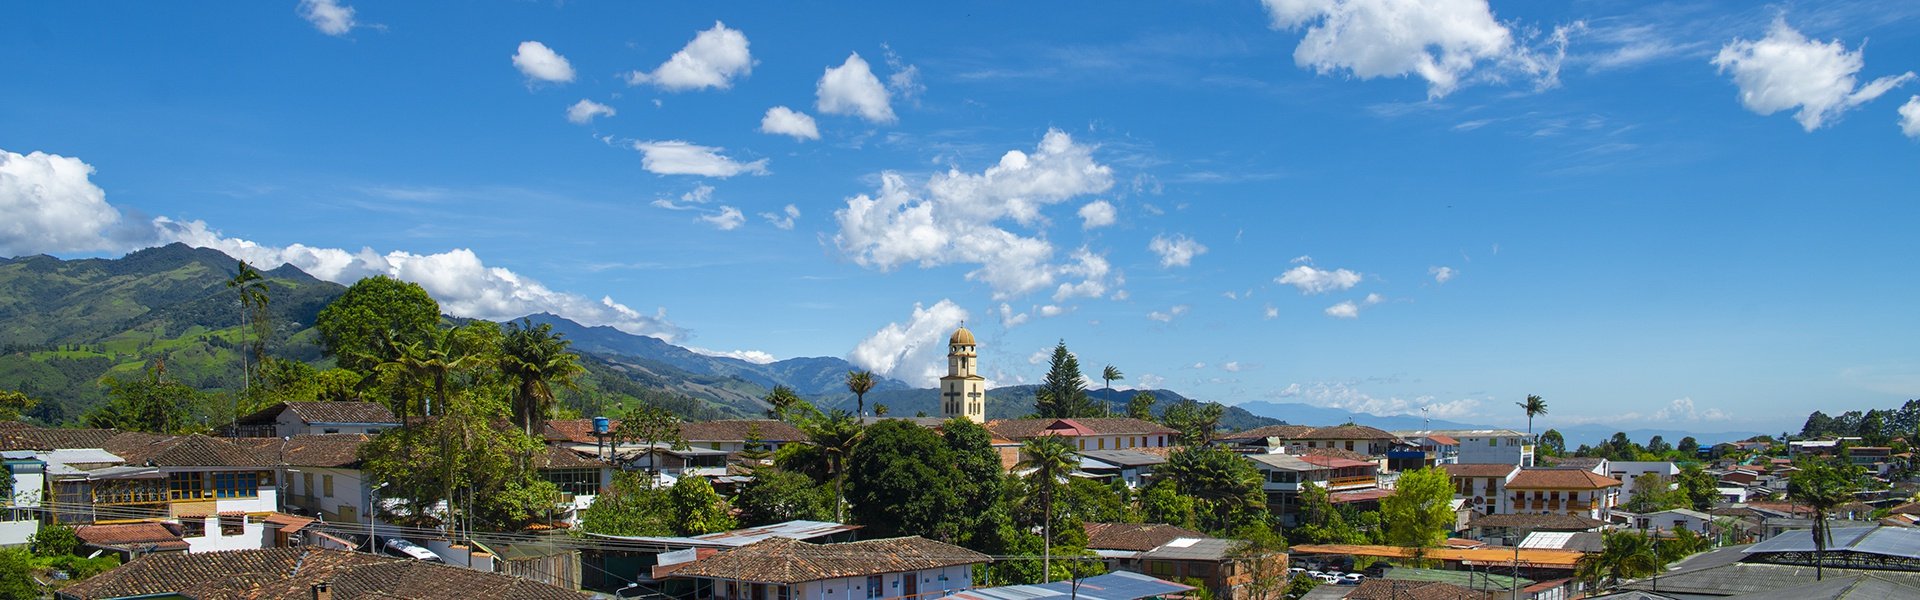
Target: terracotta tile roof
[1538,522]
[1479,470]
[574,430]
[1394,589]
[38,438]
[735,430]
[341,412]
[1335,462]
[558,457]
[1348,455]
[1575,462]
[125,536]
[288,523]
[1135,537]
[193,450]
[1560,479]
[292,572]
[312,450]
[1347,432]
[782,560]
[1022,429]
[1285,432]
[1359,496]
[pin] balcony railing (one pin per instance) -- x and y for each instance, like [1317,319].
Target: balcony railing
[1342,482]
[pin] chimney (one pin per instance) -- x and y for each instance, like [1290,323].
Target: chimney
[323,591]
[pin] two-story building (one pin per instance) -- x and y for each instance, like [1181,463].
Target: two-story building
[320,474]
[1482,488]
[307,418]
[1366,440]
[1485,446]
[786,569]
[1131,467]
[1092,433]
[1284,476]
[1626,471]
[1563,491]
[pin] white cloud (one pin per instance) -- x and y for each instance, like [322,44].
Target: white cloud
[1010,319]
[851,89]
[1167,317]
[914,352]
[1375,298]
[537,61]
[1051,310]
[1441,274]
[1232,366]
[1683,409]
[757,357]
[1910,117]
[1175,251]
[784,219]
[52,205]
[1092,271]
[1302,260]
[1786,70]
[677,157]
[1148,381]
[1317,281]
[781,120]
[328,16]
[584,111]
[1440,41]
[1348,397]
[1097,214]
[1344,310]
[905,80]
[727,219]
[956,218]
[1270,312]
[700,194]
[713,59]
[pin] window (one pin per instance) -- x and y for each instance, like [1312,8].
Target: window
[1492,442]
[233,524]
[1102,444]
[1349,445]
[186,486]
[306,484]
[192,527]
[873,585]
[579,482]
[330,430]
[326,485]
[236,485]
[782,592]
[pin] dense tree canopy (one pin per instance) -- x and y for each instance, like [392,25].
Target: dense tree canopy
[1419,513]
[1063,394]
[361,328]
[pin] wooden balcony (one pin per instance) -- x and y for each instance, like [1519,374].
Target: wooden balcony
[1349,482]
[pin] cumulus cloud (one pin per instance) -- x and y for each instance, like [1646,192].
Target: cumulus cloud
[1375,298]
[1051,310]
[914,351]
[1270,312]
[1010,319]
[1440,41]
[678,157]
[1346,396]
[1169,314]
[1318,281]
[781,120]
[1344,310]
[584,111]
[1683,409]
[726,219]
[904,82]
[1176,250]
[713,59]
[540,63]
[757,357]
[1910,117]
[851,89]
[783,219]
[52,206]
[957,217]
[1091,269]
[328,16]
[1097,214]
[1441,274]
[1785,70]
[1232,366]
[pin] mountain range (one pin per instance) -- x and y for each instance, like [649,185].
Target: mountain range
[1575,435]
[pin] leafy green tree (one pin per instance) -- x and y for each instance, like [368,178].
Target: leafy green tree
[777,496]
[1420,512]
[1051,459]
[1197,421]
[753,450]
[1225,487]
[631,506]
[155,402]
[1063,394]
[900,481]
[1534,406]
[1821,486]
[53,539]
[1162,502]
[880,410]
[436,363]
[1092,501]
[653,427]
[377,315]
[860,382]
[979,484]
[1320,523]
[1552,443]
[12,403]
[837,437]
[537,359]
[1300,586]
[697,509]
[1689,446]
[1698,487]
[1658,445]
[1141,406]
[1653,492]
[16,574]
[477,464]
[1623,555]
[785,405]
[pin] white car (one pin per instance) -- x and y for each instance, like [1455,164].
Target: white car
[406,549]
[1352,579]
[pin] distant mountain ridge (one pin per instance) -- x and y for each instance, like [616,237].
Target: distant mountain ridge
[1307,414]
[814,377]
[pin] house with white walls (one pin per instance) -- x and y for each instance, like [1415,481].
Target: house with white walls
[786,569]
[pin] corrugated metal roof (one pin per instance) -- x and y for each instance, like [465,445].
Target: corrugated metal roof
[1118,585]
[1889,541]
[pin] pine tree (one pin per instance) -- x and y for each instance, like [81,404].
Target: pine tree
[1064,392]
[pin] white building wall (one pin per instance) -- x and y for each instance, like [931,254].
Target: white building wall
[1119,442]
[1627,470]
[1495,450]
[854,588]
[252,536]
[349,491]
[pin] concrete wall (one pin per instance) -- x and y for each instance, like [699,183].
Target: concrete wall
[854,588]
[252,536]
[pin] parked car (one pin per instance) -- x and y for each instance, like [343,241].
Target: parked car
[405,549]
[1352,579]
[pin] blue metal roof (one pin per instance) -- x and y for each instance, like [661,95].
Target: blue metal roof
[1118,585]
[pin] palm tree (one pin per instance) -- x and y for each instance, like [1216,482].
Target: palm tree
[1051,459]
[1110,374]
[1622,555]
[253,312]
[860,382]
[836,436]
[430,362]
[536,358]
[1820,486]
[1534,407]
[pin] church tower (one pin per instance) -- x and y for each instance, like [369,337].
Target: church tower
[963,392]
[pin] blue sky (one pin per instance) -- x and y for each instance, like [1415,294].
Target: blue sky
[1691,214]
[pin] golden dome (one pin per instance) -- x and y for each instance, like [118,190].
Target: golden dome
[962,337]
